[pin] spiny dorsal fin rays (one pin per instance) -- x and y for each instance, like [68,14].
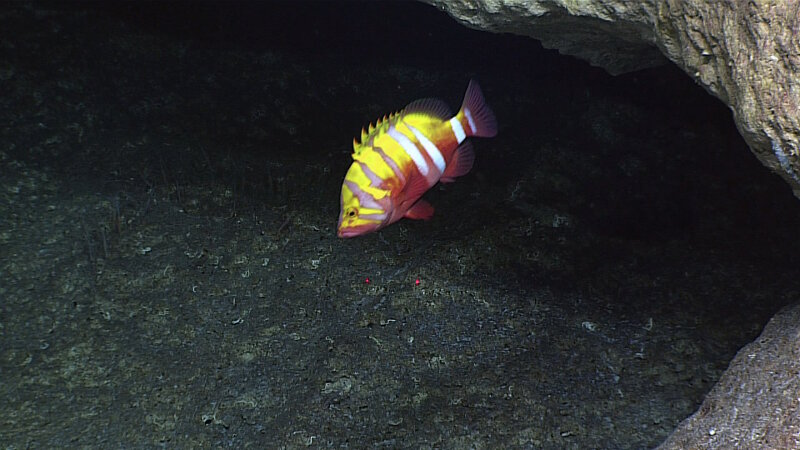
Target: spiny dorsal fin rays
[365,132]
[380,121]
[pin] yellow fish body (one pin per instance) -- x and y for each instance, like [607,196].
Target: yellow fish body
[404,155]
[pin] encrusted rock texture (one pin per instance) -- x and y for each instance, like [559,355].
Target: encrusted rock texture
[756,403]
[746,53]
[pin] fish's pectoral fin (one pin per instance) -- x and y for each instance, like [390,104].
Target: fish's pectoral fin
[415,187]
[421,210]
[461,164]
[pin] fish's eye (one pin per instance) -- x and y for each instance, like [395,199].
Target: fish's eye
[351,213]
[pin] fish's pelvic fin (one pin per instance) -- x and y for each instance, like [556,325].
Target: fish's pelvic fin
[421,210]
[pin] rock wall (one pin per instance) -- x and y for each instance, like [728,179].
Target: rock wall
[747,53]
[756,403]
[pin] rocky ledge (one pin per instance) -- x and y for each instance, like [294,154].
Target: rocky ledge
[745,53]
[756,403]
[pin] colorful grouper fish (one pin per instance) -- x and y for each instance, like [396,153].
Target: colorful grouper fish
[404,155]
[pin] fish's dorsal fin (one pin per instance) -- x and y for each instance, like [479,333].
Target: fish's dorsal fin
[384,119]
[430,106]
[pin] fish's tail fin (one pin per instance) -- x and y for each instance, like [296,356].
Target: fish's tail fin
[475,115]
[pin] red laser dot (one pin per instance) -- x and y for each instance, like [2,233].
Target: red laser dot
[416,282]
[366,281]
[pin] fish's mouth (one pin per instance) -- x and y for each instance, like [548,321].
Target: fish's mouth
[346,233]
[353,231]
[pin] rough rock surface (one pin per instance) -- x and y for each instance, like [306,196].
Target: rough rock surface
[745,53]
[756,403]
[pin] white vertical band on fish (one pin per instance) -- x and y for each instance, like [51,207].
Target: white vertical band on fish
[468,115]
[410,148]
[431,148]
[458,130]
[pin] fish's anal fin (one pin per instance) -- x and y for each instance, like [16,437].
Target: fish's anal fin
[421,210]
[460,165]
